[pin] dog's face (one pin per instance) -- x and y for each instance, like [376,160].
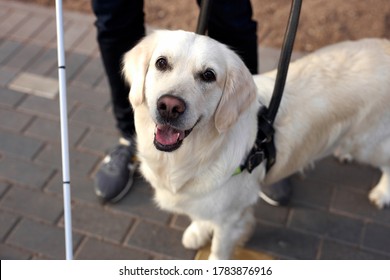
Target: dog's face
[187,81]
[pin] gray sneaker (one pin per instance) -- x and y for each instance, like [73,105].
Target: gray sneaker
[115,175]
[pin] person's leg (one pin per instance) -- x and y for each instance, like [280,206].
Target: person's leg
[231,23]
[120,25]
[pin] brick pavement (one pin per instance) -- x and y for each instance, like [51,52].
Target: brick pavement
[329,217]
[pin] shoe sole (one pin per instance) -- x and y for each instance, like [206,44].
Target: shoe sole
[126,189]
[268,200]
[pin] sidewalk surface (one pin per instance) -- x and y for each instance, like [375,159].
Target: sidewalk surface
[329,217]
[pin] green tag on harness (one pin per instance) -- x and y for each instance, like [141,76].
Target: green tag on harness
[237,171]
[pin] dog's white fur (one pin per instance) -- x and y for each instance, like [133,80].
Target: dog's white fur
[336,101]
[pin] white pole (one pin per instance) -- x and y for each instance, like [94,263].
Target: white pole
[64,132]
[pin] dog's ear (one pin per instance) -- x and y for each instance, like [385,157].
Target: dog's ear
[135,65]
[239,92]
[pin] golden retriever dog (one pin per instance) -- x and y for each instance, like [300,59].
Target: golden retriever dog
[196,104]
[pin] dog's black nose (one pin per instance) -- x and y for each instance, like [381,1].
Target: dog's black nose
[170,107]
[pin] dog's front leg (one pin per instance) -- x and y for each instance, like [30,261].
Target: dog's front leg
[222,244]
[197,235]
[234,231]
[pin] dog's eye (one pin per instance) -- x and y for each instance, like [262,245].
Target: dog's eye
[208,76]
[162,64]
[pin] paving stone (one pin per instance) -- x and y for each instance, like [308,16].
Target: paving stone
[80,162]
[74,62]
[312,194]
[332,250]
[35,84]
[18,145]
[88,96]
[35,105]
[10,253]
[4,13]
[7,50]
[74,33]
[13,120]
[94,249]
[94,117]
[181,222]
[34,204]
[6,75]
[79,18]
[44,63]
[87,44]
[80,185]
[310,191]
[3,188]
[24,56]
[91,73]
[7,221]
[9,98]
[31,8]
[46,34]
[99,141]
[94,221]
[276,215]
[50,130]
[160,239]
[377,238]
[356,204]
[13,21]
[348,175]
[41,238]
[28,27]
[286,243]
[326,224]
[24,172]
[103,85]
[139,202]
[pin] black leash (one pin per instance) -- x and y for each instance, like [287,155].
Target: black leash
[284,60]
[264,147]
[204,15]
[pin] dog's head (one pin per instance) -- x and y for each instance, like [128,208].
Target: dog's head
[187,81]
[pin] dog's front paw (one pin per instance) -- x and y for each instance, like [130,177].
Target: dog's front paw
[380,198]
[196,236]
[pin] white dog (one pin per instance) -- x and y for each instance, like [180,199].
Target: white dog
[196,104]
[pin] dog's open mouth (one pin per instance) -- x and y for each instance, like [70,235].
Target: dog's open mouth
[168,138]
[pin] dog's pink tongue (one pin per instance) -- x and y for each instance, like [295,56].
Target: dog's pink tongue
[167,135]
